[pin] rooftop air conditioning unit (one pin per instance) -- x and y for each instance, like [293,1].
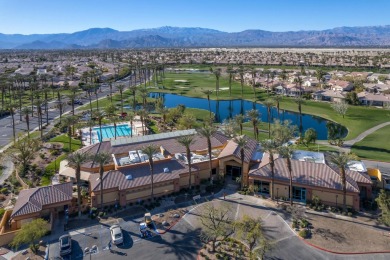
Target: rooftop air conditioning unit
[166,170]
[129,177]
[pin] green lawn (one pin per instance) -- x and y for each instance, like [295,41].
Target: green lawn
[375,146]
[357,119]
[54,166]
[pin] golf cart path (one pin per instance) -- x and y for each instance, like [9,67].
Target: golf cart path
[348,144]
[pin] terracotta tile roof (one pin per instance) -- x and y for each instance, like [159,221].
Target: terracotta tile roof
[32,200]
[232,149]
[171,145]
[307,173]
[140,175]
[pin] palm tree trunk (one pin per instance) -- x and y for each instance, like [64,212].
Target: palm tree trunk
[152,186]
[101,188]
[70,138]
[115,130]
[209,150]
[28,125]
[13,124]
[272,164]
[78,172]
[242,168]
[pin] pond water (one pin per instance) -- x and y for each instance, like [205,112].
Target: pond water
[224,109]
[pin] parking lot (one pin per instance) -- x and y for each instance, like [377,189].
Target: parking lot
[99,236]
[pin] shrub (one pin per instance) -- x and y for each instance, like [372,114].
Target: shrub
[350,214]
[4,190]
[304,223]
[303,233]
[2,211]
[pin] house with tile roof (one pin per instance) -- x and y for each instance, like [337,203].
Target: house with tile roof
[312,175]
[41,202]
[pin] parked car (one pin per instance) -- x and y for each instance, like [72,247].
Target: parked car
[116,234]
[65,244]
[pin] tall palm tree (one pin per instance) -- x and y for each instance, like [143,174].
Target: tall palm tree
[241,71]
[150,150]
[300,101]
[269,102]
[99,116]
[26,113]
[72,97]
[287,152]
[208,93]
[341,160]
[75,160]
[69,122]
[208,131]
[187,141]
[133,90]
[253,72]
[39,103]
[277,99]
[239,119]
[46,91]
[121,88]
[143,114]
[90,123]
[231,72]
[270,147]
[102,159]
[241,142]
[217,74]
[254,116]
[11,107]
[130,116]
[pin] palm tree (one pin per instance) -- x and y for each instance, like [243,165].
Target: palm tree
[277,99]
[11,107]
[253,73]
[143,114]
[208,93]
[72,96]
[99,116]
[46,91]
[26,113]
[39,103]
[121,88]
[341,160]
[187,141]
[241,142]
[75,160]
[241,71]
[300,101]
[90,123]
[133,90]
[253,116]
[217,74]
[270,147]
[239,119]
[231,72]
[150,150]
[102,159]
[287,152]
[69,122]
[208,131]
[130,117]
[269,103]
[111,114]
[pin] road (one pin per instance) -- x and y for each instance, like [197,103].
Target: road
[6,135]
[182,241]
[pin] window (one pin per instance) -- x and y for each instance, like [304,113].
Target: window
[263,186]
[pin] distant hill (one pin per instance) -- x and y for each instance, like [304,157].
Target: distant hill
[166,37]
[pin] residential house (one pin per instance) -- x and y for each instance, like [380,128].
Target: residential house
[340,85]
[329,95]
[376,88]
[374,99]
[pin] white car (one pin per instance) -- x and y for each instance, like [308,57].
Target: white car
[116,234]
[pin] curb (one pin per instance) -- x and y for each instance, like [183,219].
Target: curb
[342,253]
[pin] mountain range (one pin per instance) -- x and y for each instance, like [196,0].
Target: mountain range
[177,37]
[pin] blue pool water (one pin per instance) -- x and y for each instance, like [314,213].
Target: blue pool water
[109,132]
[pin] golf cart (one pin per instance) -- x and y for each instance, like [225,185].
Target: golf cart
[148,220]
[144,231]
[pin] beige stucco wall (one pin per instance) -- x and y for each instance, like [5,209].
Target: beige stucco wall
[139,194]
[108,197]
[280,190]
[183,182]
[330,197]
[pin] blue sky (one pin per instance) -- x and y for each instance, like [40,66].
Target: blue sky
[55,16]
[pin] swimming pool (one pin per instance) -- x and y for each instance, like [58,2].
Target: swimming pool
[109,132]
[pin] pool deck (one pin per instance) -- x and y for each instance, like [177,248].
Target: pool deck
[136,128]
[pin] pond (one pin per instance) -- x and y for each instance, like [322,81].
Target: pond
[224,109]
